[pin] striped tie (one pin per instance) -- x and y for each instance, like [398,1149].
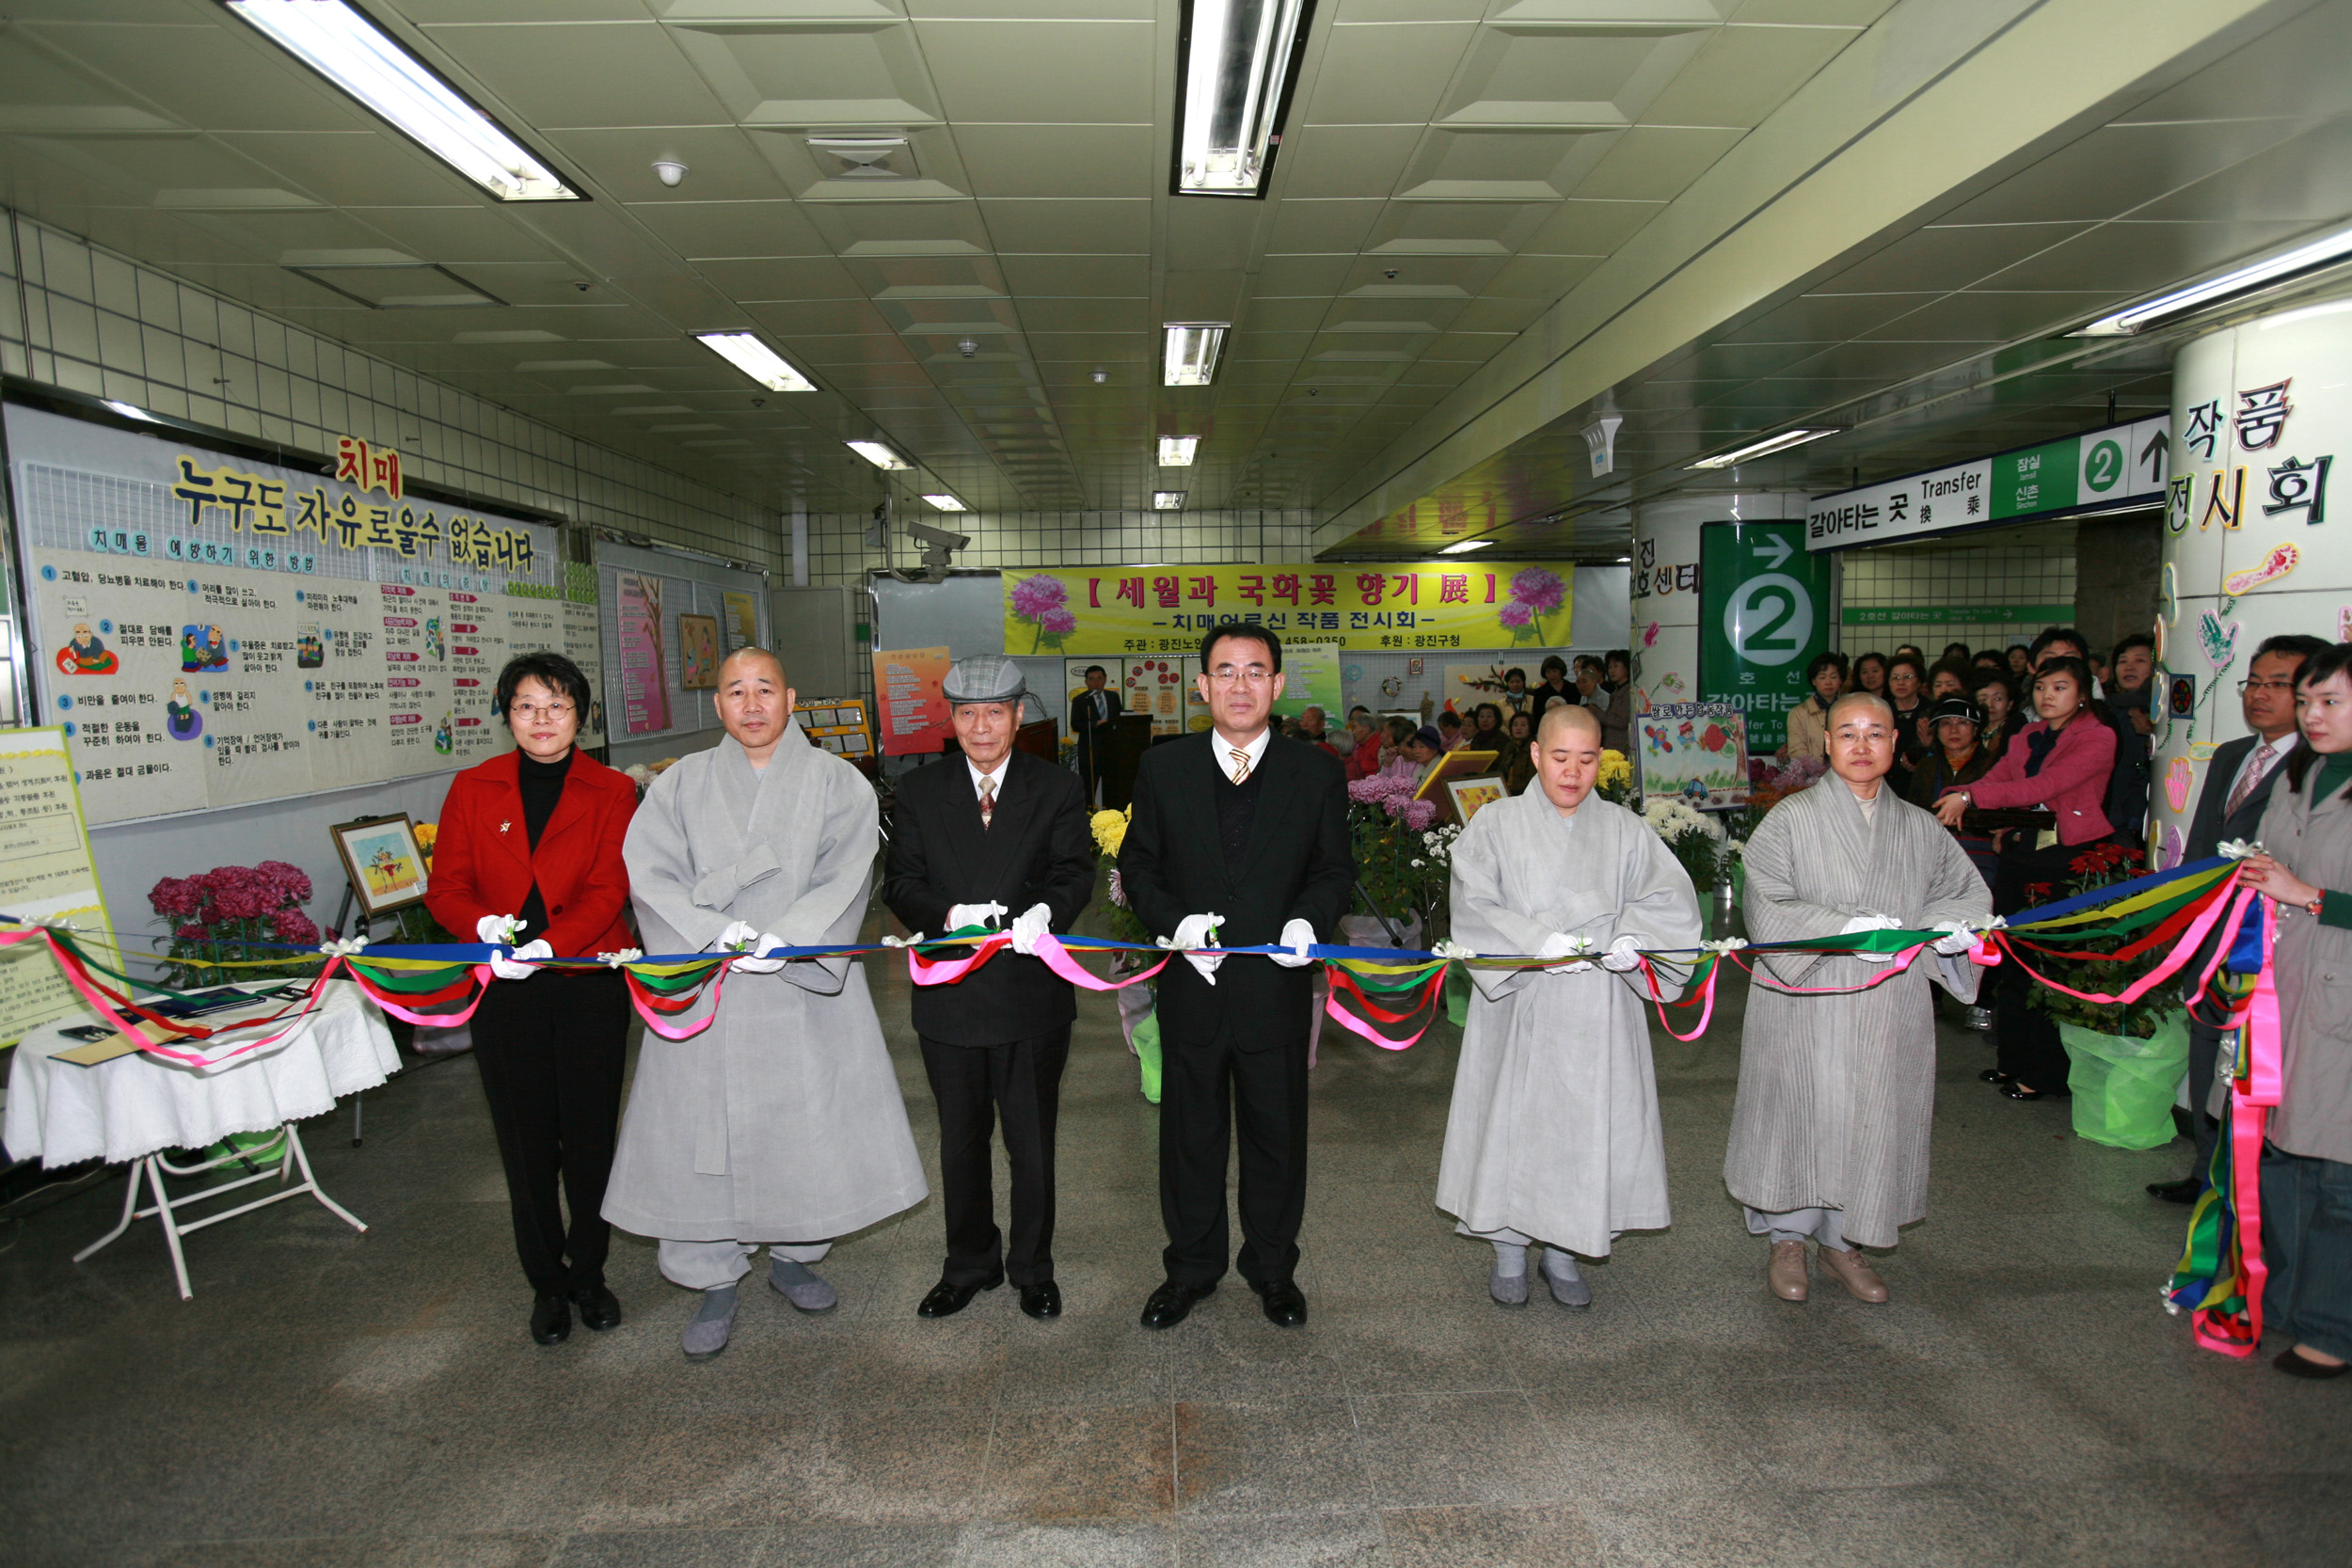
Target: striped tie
[2247,786]
[1241,764]
[988,803]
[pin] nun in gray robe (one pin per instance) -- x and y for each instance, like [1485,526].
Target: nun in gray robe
[1829,1129]
[782,1122]
[1554,1135]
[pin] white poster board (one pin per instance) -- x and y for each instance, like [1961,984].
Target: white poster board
[46,874]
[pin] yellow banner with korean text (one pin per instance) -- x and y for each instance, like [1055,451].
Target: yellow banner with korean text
[1364,606]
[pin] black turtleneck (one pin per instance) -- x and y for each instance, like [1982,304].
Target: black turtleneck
[542,784]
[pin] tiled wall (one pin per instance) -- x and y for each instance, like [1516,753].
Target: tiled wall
[92,321]
[2037,571]
[837,552]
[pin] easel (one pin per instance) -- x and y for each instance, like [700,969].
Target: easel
[363,926]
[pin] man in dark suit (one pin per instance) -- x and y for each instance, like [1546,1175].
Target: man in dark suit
[1091,715]
[1244,821]
[2230,806]
[974,837]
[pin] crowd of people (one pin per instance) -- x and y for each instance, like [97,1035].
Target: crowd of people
[1953,792]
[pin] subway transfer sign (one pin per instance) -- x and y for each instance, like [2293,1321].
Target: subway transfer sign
[2124,465]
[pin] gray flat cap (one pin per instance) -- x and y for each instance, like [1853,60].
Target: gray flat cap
[984,678]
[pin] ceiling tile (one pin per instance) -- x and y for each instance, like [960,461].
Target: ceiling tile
[1059,160]
[721,164]
[1343,160]
[1041,71]
[1654,163]
[1745,73]
[601,74]
[1018,225]
[862,70]
[2135,257]
[703,230]
[1387,74]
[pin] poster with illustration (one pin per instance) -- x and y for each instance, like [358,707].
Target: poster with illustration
[203,647]
[740,623]
[644,672]
[698,652]
[1156,686]
[381,859]
[84,654]
[1695,751]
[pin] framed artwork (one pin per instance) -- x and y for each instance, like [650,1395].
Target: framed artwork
[381,858]
[1470,794]
[698,652]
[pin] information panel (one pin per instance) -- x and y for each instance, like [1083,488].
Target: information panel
[46,874]
[209,630]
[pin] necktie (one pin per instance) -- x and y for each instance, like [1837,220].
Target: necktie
[1241,764]
[988,801]
[2250,782]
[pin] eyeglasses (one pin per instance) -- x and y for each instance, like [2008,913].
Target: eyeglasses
[2244,687]
[551,712]
[1257,675]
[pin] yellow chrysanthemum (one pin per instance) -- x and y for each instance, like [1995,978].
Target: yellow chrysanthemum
[1110,829]
[1614,769]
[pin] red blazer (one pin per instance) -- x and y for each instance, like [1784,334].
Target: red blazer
[2072,781]
[483,863]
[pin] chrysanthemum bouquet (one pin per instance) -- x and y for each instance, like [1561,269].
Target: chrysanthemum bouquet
[212,917]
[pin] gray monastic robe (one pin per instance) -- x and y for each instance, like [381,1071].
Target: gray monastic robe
[1554,1129]
[1837,1092]
[782,1121]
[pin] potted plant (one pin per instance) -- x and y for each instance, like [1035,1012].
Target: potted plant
[232,916]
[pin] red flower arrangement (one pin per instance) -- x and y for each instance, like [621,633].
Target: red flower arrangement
[225,912]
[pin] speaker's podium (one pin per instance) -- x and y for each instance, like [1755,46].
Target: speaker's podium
[1122,754]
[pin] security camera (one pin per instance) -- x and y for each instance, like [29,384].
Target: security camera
[1099,376]
[669,171]
[969,348]
[939,538]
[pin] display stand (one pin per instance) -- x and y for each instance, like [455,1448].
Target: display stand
[154,1168]
[364,925]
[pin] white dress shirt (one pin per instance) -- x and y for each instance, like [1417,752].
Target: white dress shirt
[995,777]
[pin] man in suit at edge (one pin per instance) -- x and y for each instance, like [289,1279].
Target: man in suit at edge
[973,837]
[2230,806]
[1244,821]
[1091,715]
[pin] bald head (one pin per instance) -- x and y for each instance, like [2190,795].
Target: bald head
[761,655]
[1570,715]
[1859,698]
[754,704]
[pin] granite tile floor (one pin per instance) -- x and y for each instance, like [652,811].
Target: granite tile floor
[332,1398]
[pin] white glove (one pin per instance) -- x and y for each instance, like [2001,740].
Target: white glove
[1029,924]
[737,936]
[961,916]
[1961,939]
[498,930]
[514,968]
[1560,944]
[762,943]
[1195,936]
[1623,953]
[1298,936]
[1868,923]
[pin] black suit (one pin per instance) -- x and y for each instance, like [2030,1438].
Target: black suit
[994,1043]
[1090,716]
[2208,829]
[1235,1052]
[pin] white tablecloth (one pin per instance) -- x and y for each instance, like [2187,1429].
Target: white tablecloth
[134,1105]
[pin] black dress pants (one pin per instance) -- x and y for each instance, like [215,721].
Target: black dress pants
[2026,1039]
[551,1051]
[977,1085]
[1208,1088]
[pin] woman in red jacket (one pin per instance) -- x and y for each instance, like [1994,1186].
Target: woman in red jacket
[529,857]
[2059,764]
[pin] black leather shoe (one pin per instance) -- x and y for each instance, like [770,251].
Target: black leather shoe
[947,1298]
[2183,1191]
[1285,1306]
[1993,1075]
[1042,1300]
[2299,1366]
[551,1320]
[599,1308]
[1171,1304]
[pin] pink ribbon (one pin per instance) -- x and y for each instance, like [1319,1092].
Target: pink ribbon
[2259,1040]
[947,972]
[1057,957]
[2180,954]
[1707,1010]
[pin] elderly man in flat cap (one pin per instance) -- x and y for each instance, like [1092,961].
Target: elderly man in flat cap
[974,838]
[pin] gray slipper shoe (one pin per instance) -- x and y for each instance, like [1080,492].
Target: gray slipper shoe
[706,1332]
[797,1284]
[1509,1289]
[1568,1286]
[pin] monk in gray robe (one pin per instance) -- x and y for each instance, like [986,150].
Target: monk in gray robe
[782,1122]
[1554,1133]
[1829,1131]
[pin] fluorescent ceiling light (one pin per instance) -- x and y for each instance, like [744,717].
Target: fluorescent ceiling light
[747,354]
[1237,59]
[1466,547]
[1176,451]
[127,411]
[1192,351]
[947,503]
[2139,318]
[1781,442]
[1168,501]
[354,54]
[878,455]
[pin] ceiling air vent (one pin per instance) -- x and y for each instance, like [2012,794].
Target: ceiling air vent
[863,157]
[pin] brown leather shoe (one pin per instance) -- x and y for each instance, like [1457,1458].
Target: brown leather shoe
[1853,1270]
[1786,1274]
